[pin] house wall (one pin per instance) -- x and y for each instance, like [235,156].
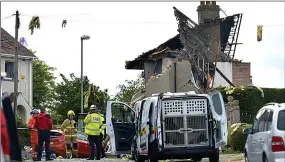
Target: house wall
[24,86]
[226,68]
[165,82]
[158,84]
[150,68]
[241,73]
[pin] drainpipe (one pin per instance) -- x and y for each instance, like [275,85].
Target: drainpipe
[175,83]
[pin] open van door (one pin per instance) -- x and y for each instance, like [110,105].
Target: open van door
[219,114]
[120,126]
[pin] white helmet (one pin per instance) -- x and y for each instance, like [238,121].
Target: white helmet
[93,107]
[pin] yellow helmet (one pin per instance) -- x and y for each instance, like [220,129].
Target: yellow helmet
[70,112]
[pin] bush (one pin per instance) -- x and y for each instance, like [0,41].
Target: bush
[24,134]
[251,100]
[236,137]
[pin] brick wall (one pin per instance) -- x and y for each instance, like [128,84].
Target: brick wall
[241,73]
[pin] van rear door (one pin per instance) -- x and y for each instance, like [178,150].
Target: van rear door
[120,126]
[219,114]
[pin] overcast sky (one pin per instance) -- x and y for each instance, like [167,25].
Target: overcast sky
[122,31]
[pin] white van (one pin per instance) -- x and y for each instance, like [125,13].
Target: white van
[169,126]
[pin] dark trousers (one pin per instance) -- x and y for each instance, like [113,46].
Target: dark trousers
[102,149]
[44,136]
[97,141]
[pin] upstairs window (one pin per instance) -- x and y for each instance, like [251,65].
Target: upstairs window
[9,69]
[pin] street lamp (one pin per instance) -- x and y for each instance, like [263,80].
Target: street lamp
[84,37]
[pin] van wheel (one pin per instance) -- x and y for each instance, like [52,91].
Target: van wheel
[152,152]
[197,159]
[214,158]
[133,151]
[135,155]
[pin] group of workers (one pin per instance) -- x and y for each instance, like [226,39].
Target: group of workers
[40,125]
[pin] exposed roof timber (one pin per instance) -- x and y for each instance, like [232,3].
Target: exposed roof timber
[188,29]
[137,63]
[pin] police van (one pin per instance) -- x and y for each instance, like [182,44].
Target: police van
[169,126]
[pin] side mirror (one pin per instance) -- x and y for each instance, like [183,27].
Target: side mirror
[247,131]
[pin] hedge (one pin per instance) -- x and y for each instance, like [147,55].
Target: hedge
[24,134]
[251,100]
[236,137]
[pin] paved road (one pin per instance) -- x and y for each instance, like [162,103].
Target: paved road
[223,158]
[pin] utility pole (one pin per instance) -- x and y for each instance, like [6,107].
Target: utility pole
[17,25]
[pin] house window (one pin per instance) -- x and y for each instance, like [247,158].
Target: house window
[9,69]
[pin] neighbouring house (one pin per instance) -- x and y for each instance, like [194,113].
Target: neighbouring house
[164,73]
[25,86]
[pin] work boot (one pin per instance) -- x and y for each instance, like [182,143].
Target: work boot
[90,158]
[49,159]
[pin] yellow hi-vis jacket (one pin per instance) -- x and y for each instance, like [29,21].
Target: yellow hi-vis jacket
[102,130]
[69,129]
[93,123]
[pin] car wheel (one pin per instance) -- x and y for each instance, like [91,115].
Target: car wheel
[264,159]
[245,156]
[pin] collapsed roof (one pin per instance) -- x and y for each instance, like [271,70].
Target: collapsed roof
[229,31]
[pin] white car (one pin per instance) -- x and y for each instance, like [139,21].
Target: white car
[265,141]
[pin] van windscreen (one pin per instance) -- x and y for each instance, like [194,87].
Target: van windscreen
[281,120]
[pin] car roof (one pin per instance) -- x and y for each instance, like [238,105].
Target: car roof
[275,106]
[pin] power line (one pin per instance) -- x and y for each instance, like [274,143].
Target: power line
[50,16]
[7,17]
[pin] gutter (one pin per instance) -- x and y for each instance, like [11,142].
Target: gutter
[19,56]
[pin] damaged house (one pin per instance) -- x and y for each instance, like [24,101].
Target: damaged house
[189,60]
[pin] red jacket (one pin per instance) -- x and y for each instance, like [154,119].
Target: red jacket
[43,122]
[4,135]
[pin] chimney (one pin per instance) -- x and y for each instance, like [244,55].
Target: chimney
[208,10]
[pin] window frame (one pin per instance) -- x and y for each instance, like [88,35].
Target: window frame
[257,120]
[6,70]
[270,115]
[263,120]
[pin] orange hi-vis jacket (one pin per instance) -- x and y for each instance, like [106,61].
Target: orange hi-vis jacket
[34,133]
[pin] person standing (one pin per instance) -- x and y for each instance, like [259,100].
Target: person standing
[93,123]
[44,125]
[69,128]
[102,135]
[33,132]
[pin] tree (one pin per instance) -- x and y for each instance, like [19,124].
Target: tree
[68,95]
[129,89]
[43,84]
[35,23]
[95,96]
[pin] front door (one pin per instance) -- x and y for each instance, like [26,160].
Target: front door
[219,114]
[120,126]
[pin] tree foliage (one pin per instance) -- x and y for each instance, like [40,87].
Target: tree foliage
[35,23]
[129,89]
[43,84]
[68,95]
